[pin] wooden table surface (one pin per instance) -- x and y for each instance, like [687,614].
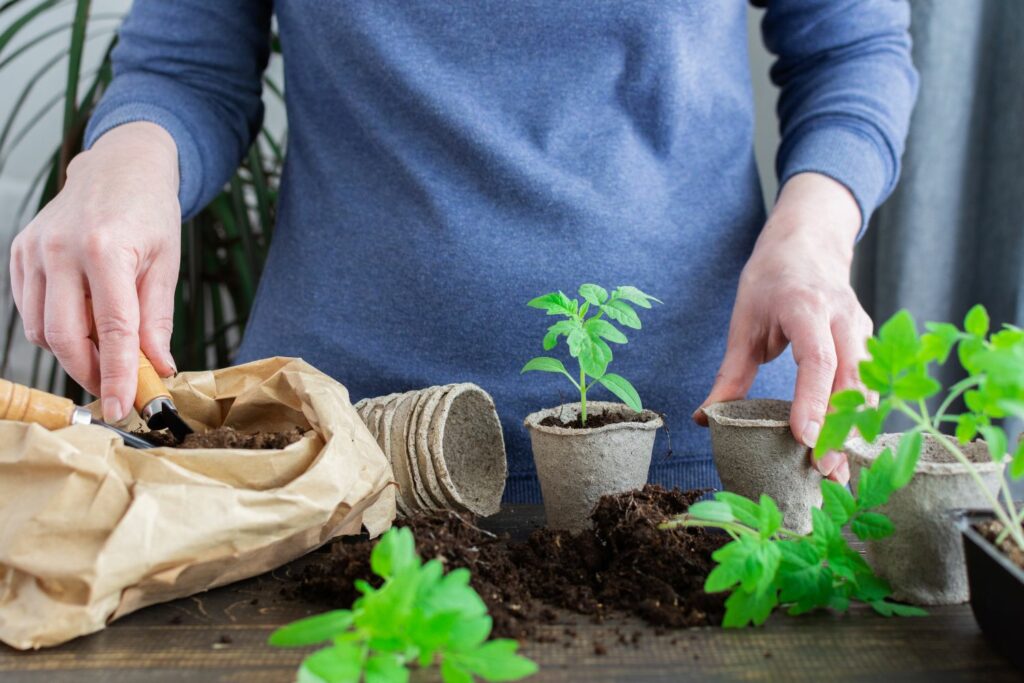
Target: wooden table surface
[221,636]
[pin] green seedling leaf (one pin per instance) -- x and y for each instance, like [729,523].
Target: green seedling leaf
[621,387]
[876,483]
[834,432]
[386,669]
[837,502]
[871,525]
[711,511]
[634,295]
[742,608]
[452,672]
[939,341]
[977,322]
[1017,465]
[889,609]
[966,428]
[743,509]
[593,294]
[394,553]
[995,439]
[898,345]
[599,328]
[495,661]
[559,329]
[555,303]
[319,628]
[341,663]
[847,400]
[874,376]
[907,454]
[871,420]
[545,364]
[592,357]
[770,518]
[915,386]
[621,312]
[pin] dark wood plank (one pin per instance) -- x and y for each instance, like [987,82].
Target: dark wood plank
[221,636]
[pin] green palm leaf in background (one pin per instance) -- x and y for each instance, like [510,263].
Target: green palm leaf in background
[223,248]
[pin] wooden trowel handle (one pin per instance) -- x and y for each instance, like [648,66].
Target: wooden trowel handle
[24,404]
[151,385]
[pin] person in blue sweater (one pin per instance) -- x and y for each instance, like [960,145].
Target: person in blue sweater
[448,161]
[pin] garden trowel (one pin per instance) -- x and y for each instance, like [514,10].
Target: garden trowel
[154,403]
[24,404]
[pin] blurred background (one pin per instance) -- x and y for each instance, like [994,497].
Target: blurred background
[952,234]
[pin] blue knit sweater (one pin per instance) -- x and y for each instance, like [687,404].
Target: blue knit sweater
[447,161]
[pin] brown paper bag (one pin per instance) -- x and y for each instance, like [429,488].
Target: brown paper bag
[91,530]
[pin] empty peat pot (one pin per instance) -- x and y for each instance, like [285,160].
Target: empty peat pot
[578,466]
[755,453]
[445,446]
[923,560]
[997,587]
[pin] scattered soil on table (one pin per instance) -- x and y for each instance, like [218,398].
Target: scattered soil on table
[226,437]
[624,564]
[991,529]
[595,421]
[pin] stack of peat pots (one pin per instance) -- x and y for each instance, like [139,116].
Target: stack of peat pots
[445,446]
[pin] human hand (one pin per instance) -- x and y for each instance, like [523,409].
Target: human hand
[795,289]
[112,234]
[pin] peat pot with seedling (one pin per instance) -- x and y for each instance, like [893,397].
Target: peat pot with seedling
[587,449]
[924,559]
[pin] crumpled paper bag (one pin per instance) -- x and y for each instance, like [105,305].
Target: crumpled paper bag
[91,530]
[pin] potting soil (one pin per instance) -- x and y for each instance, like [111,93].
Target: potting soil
[595,421]
[624,564]
[226,437]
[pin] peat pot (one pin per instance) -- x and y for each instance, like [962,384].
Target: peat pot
[923,560]
[997,588]
[755,453]
[578,466]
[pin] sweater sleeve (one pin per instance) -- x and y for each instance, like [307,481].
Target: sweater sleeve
[847,87]
[195,68]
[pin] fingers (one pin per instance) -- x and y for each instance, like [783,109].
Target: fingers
[33,302]
[115,306]
[67,327]
[815,353]
[156,312]
[735,375]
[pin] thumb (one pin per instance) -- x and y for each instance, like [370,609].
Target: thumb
[156,315]
[734,377]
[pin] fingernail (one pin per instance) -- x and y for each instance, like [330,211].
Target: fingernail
[697,413]
[169,360]
[112,411]
[842,473]
[811,432]
[828,462]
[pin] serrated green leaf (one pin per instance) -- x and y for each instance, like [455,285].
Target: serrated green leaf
[555,303]
[871,525]
[744,608]
[834,432]
[621,387]
[888,609]
[634,295]
[546,364]
[454,673]
[467,633]
[594,294]
[825,532]
[1017,465]
[968,351]
[847,400]
[995,439]
[770,518]
[621,312]
[604,329]
[562,327]
[870,588]
[915,386]
[385,669]
[837,502]
[977,322]
[319,628]
[898,343]
[870,421]
[711,511]
[966,428]
[876,483]
[907,454]
[874,376]
[592,357]
[394,553]
[341,663]
[723,577]
[939,341]
[743,509]
[496,660]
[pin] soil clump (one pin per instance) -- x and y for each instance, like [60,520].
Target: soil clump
[624,564]
[226,437]
[594,421]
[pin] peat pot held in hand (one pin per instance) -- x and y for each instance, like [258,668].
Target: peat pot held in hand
[578,466]
[996,583]
[923,560]
[755,453]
